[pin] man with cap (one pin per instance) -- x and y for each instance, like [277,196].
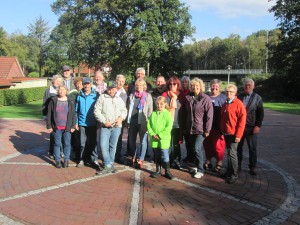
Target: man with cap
[87,123]
[110,111]
[68,79]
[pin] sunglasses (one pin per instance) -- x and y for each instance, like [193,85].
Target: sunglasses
[172,84]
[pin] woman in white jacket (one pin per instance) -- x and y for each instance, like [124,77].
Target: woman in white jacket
[110,111]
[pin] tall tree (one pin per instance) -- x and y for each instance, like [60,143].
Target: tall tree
[39,31]
[3,40]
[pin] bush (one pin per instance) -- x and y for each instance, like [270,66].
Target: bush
[34,74]
[20,96]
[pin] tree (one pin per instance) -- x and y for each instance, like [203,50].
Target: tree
[126,33]
[3,40]
[39,32]
[286,54]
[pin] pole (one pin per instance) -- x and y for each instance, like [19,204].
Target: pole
[228,68]
[267,51]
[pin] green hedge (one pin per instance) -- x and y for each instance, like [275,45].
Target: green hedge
[20,96]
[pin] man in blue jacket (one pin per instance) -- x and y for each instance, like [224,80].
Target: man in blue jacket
[255,115]
[87,123]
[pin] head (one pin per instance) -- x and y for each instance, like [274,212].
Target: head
[99,77]
[197,86]
[120,80]
[215,87]
[140,85]
[78,83]
[174,84]
[161,103]
[248,85]
[140,73]
[87,84]
[230,91]
[185,82]
[112,89]
[57,80]
[160,82]
[66,72]
[62,91]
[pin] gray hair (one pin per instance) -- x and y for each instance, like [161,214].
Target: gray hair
[57,77]
[140,69]
[120,76]
[185,78]
[215,81]
[99,72]
[231,86]
[246,80]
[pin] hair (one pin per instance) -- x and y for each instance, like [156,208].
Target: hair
[143,82]
[199,81]
[77,80]
[176,80]
[63,86]
[246,80]
[164,100]
[99,72]
[140,69]
[160,76]
[231,86]
[215,81]
[120,76]
[185,78]
[57,77]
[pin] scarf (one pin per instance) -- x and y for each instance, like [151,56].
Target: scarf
[142,96]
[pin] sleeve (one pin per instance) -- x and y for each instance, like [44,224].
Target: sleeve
[50,109]
[123,109]
[149,125]
[74,117]
[259,113]
[150,105]
[241,121]
[98,110]
[209,115]
[168,127]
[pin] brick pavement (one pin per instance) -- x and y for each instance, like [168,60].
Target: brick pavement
[33,191]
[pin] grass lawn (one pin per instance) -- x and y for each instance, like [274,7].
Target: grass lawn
[32,110]
[293,108]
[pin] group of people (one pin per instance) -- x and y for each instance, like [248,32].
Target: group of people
[90,116]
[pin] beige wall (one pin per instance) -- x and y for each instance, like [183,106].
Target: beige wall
[30,84]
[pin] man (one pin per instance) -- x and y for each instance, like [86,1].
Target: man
[87,124]
[68,79]
[255,114]
[160,88]
[139,74]
[232,125]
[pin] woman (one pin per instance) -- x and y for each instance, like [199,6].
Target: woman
[214,144]
[99,84]
[78,86]
[175,98]
[110,111]
[140,107]
[198,121]
[61,121]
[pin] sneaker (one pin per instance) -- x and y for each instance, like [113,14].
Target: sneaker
[58,164]
[80,164]
[113,169]
[193,170]
[106,170]
[198,175]
[231,180]
[66,164]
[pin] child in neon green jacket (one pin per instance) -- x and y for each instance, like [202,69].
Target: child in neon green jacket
[159,127]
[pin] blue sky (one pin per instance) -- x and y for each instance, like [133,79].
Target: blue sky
[211,18]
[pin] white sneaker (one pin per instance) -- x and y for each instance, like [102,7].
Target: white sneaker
[193,170]
[198,175]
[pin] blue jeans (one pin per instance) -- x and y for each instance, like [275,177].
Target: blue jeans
[108,143]
[139,151]
[196,144]
[62,137]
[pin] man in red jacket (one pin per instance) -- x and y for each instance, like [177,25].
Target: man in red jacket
[232,125]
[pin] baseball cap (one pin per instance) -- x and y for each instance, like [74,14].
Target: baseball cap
[112,84]
[66,68]
[87,80]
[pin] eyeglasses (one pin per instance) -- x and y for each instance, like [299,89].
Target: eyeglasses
[229,91]
[172,84]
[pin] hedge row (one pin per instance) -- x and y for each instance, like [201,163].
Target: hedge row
[20,96]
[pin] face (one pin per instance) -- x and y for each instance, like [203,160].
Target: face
[215,89]
[248,87]
[160,105]
[173,86]
[99,78]
[62,92]
[230,93]
[56,82]
[87,86]
[79,85]
[112,91]
[67,74]
[120,82]
[185,84]
[160,82]
[196,88]
[140,74]
[139,87]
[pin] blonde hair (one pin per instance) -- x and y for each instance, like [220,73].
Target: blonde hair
[164,100]
[143,82]
[63,86]
[200,82]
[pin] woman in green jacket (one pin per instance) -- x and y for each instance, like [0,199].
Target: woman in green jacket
[159,127]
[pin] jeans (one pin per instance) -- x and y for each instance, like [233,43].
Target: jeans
[108,143]
[62,136]
[252,143]
[88,148]
[137,151]
[196,144]
[232,158]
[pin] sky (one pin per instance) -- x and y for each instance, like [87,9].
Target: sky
[211,18]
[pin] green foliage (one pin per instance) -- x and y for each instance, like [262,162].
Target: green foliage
[19,96]
[33,74]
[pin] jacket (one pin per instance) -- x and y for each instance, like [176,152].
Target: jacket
[198,114]
[160,123]
[233,118]
[255,109]
[109,108]
[51,116]
[85,108]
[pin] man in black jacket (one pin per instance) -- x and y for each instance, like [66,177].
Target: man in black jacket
[140,73]
[255,115]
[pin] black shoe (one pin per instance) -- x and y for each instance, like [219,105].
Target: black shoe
[231,180]
[66,164]
[252,171]
[169,175]
[58,164]
[207,166]
[176,165]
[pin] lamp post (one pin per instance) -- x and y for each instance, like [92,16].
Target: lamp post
[228,68]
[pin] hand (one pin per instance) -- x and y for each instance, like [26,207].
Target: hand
[108,124]
[72,130]
[155,136]
[50,130]
[119,121]
[205,134]
[256,130]
[237,140]
[76,127]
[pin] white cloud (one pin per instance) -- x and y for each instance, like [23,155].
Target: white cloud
[231,8]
